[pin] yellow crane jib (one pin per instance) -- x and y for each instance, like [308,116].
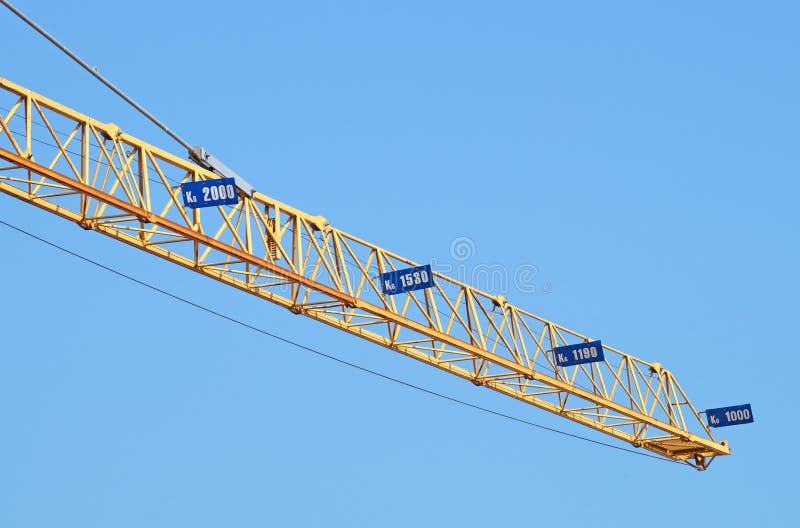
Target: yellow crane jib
[94,174]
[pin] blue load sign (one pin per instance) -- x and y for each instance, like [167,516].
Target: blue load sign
[405,280]
[724,416]
[208,193]
[569,355]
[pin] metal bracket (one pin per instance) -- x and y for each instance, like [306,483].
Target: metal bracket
[207,160]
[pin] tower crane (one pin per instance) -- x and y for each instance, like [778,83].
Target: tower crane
[197,215]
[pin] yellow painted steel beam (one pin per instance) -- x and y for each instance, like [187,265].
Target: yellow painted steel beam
[102,179]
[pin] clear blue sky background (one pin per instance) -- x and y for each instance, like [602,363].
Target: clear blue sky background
[643,156]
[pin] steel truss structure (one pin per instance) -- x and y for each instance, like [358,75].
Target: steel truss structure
[93,174]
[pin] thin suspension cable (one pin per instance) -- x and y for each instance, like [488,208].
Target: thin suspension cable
[96,74]
[323,354]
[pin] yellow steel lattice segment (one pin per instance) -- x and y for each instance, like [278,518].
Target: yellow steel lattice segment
[95,175]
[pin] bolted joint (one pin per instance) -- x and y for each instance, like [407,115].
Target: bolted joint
[110,131]
[700,463]
[320,223]
[87,224]
[500,301]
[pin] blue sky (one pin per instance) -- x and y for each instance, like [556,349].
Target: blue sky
[641,157]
